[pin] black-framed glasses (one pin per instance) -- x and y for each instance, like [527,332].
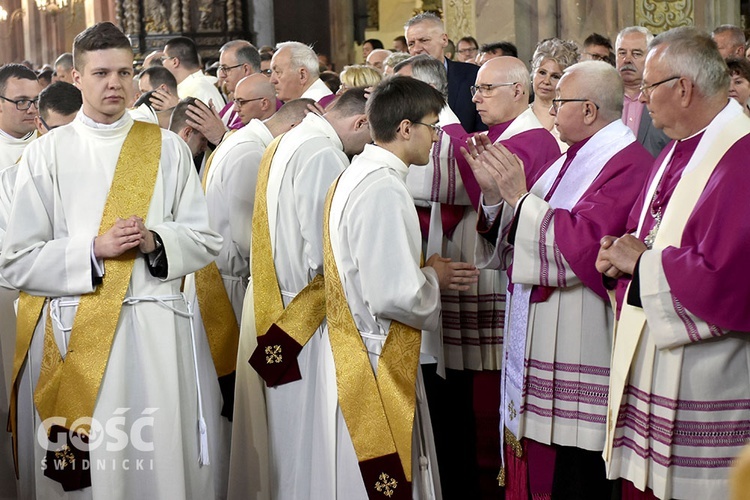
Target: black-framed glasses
[466,51]
[647,89]
[227,69]
[485,89]
[434,126]
[44,124]
[266,72]
[556,103]
[22,104]
[241,102]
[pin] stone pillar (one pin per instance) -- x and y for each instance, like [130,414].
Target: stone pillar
[261,14]
[459,17]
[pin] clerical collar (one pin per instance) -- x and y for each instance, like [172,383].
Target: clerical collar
[105,126]
[694,135]
[3,133]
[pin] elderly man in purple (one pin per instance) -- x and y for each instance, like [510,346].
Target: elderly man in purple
[679,397]
[548,223]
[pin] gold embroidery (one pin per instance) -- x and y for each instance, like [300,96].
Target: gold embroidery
[501,477]
[273,354]
[69,388]
[65,456]
[378,411]
[514,444]
[512,410]
[386,485]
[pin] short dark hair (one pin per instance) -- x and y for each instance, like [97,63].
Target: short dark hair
[469,39]
[266,56]
[184,49]
[249,55]
[100,36]
[400,98]
[14,71]
[597,39]
[60,97]
[331,79]
[159,75]
[739,66]
[376,44]
[400,38]
[508,48]
[179,117]
[352,102]
[45,77]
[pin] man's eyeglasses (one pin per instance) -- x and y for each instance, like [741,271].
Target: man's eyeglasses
[227,69]
[470,50]
[556,103]
[22,104]
[266,72]
[242,102]
[647,89]
[597,57]
[164,58]
[485,89]
[434,126]
[44,124]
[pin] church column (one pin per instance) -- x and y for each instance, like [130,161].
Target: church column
[261,15]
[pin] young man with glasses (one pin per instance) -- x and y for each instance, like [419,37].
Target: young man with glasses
[380,297]
[557,342]
[19,93]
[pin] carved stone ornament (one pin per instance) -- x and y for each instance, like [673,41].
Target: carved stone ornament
[661,15]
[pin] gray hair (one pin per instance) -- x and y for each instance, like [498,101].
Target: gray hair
[427,69]
[631,30]
[425,17]
[602,84]
[738,36]
[65,60]
[301,56]
[245,52]
[692,54]
[563,52]
[394,59]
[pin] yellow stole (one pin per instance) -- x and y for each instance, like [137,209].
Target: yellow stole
[298,322]
[69,388]
[378,410]
[219,320]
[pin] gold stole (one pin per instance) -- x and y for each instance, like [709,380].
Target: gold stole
[378,410]
[632,323]
[292,327]
[69,388]
[218,316]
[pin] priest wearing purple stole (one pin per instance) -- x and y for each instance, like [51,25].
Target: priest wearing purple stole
[544,227]
[679,397]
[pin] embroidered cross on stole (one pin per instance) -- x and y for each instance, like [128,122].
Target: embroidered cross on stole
[378,410]
[282,333]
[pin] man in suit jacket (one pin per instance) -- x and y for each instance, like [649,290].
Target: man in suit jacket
[630,49]
[425,34]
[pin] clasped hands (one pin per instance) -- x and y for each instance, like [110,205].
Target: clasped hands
[498,172]
[453,275]
[122,236]
[618,256]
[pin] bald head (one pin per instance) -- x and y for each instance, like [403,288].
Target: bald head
[591,94]
[377,57]
[502,90]
[254,97]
